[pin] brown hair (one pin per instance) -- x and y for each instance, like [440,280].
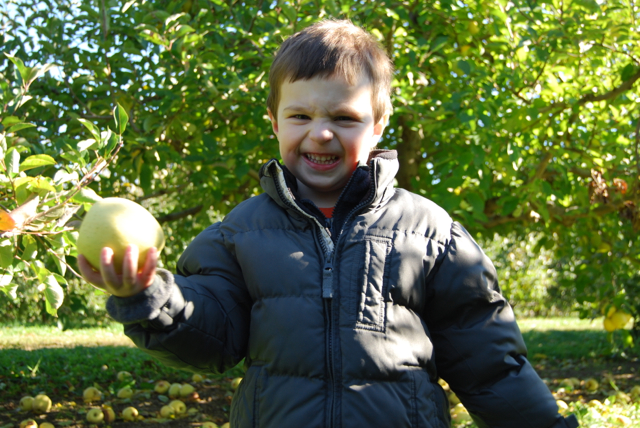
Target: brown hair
[333,48]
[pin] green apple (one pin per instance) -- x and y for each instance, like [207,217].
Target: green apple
[116,223]
[226,425]
[125,392]
[174,390]
[124,376]
[167,411]
[186,390]
[95,415]
[47,425]
[162,386]
[26,402]
[178,406]
[209,424]
[41,404]
[235,383]
[130,414]
[28,423]
[197,378]
[91,394]
[591,384]
[620,319]
[109,413]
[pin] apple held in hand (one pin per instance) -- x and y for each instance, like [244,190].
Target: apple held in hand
[117,223]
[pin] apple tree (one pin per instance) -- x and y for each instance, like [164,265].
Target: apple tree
[519,118]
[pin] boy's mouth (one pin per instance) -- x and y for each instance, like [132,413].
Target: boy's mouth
[321,159]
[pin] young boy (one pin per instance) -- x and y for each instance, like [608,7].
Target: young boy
[348,298]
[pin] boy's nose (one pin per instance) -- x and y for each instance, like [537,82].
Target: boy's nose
[321,133]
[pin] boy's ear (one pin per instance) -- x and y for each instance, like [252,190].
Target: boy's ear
[274,122]
[378,128]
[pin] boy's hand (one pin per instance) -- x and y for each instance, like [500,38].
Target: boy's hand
[128,283]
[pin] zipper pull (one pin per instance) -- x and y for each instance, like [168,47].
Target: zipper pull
[327,279]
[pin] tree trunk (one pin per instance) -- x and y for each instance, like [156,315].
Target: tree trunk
[409,153]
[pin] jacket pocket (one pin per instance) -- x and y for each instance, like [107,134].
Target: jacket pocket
[371,313]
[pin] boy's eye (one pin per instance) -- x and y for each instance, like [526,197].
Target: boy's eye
[343,118]
[300,116]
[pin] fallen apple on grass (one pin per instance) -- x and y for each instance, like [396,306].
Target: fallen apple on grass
[47,425]
[162,386]
[41,404]
[591,384]
[91,394]
[186,390]
[109,413]
[209,424]
[235,383]
[174,390]
[95,415]
[125,392]
[124,376]
[130,414]
[117,223]
[179,407]
[26,402]
[167,411]
[28,423]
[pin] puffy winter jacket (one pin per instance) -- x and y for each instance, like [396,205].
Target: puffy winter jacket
[347,324]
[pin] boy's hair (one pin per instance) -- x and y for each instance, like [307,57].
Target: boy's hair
[333,48]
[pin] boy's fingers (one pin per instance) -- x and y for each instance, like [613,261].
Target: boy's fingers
[146,276]
[107,269]
[130,265]
[89,273]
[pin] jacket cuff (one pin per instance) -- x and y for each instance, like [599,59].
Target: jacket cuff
[569,422]
[158,303]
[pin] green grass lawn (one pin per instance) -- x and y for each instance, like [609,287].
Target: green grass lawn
[37,359]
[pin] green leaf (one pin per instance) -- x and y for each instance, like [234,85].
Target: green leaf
[464,66]
[54,294]
[17,127]
[6,253]
[30,247]
[121,117]
[22,69]
[90,143]
[12,161]
[91,127]
[627,72]
[86,195]
[438,43]
[10,120]
[36,161]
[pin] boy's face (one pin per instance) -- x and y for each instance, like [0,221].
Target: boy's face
[324,127]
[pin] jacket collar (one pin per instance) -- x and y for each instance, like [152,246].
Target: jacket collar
[371,184]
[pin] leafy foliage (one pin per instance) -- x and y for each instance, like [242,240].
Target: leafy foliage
[517,117]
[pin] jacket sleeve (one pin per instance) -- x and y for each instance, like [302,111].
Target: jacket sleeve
[478,347]
[198,319]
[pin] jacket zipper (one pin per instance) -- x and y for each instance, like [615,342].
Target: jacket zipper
[327,278]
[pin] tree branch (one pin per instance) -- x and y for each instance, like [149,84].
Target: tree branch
[624,86]
[180,214]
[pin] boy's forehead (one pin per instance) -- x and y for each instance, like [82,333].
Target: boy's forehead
[332,94]
[349,79]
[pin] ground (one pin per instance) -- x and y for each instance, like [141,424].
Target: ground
[215,396]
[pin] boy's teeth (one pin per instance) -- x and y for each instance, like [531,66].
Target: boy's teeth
[323,159]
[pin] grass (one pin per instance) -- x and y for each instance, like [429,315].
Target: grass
[36,359]
[565,338]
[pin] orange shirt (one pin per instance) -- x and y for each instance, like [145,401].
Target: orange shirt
[328,212]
